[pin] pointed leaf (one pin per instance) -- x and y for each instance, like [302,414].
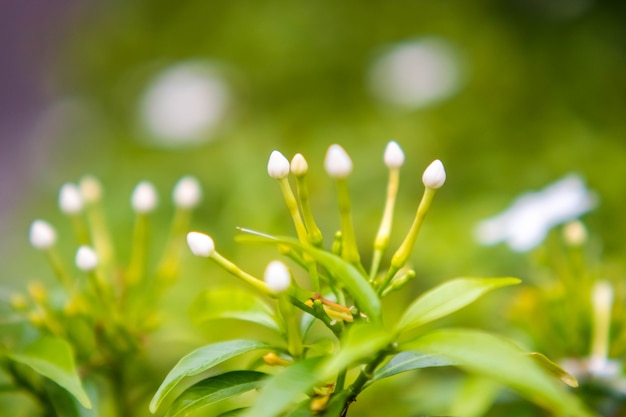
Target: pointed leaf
[285,388]
[448,298]
[362,341]
[554,369]
[54,359]
[214,389]
[356,283]
[200,360]
[408,361]
[235,412]
[499,359]
[232,303]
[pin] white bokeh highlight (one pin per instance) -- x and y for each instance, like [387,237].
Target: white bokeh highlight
[183,104]
[526,223]
[416,74]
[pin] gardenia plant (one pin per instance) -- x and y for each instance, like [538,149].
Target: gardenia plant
[302,375]
[82,346]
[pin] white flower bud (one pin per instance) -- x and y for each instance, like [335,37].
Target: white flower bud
[278,165]
[90,189]
[575,233]
[144,198]
[86,259]
[200,244]
[187,192]
[337,162]
[42,235]
[277,277]
[299,166]
[602,295]
[434,175]
[70,199]
[394,156]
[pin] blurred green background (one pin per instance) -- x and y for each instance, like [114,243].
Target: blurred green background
[535,90]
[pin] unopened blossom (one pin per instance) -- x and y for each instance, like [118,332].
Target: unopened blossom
[277,277]
[42,235]
[86,259]
[299,166]
[144,198]
[278,165]
[525,224]
[90,189]
[187,192]
[394,156]
[435,175]
[70,199]
[337,162]
[200,244]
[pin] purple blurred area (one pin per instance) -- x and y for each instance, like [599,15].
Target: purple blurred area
[30,34]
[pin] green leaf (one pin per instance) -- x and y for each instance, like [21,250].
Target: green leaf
[54,359]
[408,361]
[357,285]
[360,342]
[554,369]
[285,388]
[234,413]
[214,389]
[232,303]
[448,298]
[499,359]
[200,360]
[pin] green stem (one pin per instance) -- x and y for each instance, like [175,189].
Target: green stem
[314,233]
[382,237]
[404,251]
[349,250]
[239,273]
[367,373]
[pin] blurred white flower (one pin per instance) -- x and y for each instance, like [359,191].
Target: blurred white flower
[525,224]
[416,73]
[184,103]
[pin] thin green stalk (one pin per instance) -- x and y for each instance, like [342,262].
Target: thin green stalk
[170,260]
[382,237]
[404,251]
[301,230]
[239,273]
[80,229]
[314,233]
[349,250]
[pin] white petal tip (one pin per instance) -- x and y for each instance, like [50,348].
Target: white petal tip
[337,162]
[70,199]
[394,156]
[86,259]
[187,192]
[278,165]
[277,277]
[299,166]
[435,175]
[42,235]
[144,198]
[200,244]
